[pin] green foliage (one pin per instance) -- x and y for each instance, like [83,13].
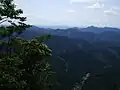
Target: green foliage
[27,63]
[23,63]
[9,13]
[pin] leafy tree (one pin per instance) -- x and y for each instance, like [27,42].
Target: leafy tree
[23,63]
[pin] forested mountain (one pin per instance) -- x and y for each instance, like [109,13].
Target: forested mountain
[79,51]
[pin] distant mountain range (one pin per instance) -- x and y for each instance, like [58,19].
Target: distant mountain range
[89,33]
[86,29]
[81,50]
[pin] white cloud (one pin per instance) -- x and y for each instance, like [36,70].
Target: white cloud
[96,5]
[112,11]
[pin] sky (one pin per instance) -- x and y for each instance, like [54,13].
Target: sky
[71,12]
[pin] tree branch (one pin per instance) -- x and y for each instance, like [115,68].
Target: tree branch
[3,21]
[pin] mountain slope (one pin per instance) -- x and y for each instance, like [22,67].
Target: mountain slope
[76,52]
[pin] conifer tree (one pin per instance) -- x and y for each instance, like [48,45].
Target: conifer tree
[23,63]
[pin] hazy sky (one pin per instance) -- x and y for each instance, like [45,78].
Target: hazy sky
[72,12]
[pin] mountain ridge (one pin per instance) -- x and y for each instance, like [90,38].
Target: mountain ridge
[81,52]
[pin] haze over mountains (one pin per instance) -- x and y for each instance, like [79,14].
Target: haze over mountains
[77,51]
